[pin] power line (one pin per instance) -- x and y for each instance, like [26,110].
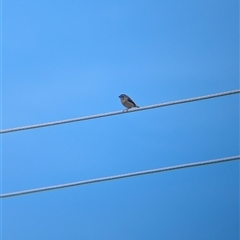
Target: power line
[48,124]
[1,86]
[115,177]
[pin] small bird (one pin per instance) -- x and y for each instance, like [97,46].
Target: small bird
[127,102]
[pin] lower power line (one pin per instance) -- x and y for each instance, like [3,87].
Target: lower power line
[126,175]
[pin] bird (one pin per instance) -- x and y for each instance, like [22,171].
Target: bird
[127,102]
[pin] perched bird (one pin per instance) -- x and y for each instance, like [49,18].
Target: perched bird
[127,102]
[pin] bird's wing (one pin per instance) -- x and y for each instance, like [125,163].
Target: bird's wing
[131,101]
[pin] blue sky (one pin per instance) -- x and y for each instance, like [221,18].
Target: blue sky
[66,59]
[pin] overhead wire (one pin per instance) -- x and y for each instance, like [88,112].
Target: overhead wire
[115,177]
[1,157]
[48,124]
[122,175]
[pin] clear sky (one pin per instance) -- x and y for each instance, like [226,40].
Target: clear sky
[67,59]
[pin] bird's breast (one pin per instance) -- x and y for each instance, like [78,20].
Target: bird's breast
[123,100]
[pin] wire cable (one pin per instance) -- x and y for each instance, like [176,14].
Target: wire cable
[1,157]
[48,124]
[115,177]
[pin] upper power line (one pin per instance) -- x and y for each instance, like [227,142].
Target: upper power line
[48,124]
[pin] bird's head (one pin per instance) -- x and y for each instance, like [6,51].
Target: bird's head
[123,96]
